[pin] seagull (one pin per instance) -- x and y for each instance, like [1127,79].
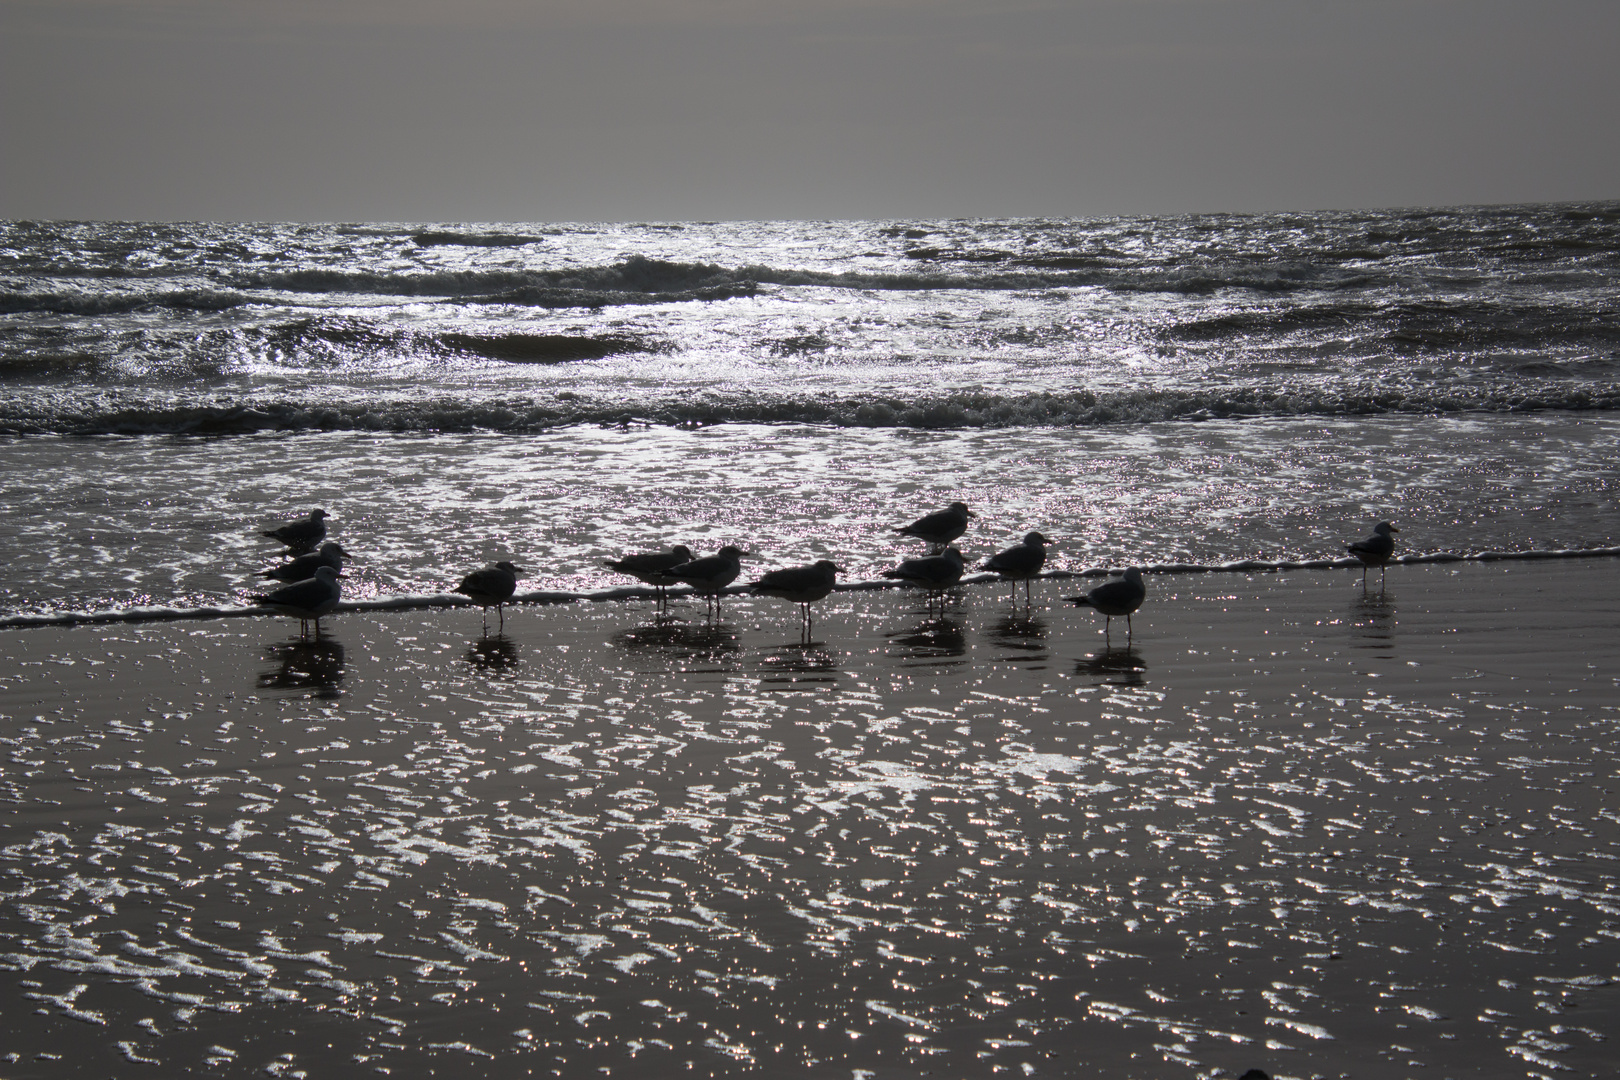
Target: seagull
[1115,598]
[711,574]
[490,587]
[307,599]
[934,573]
[940,527]
[1020,563]
[331,554]
[1375,550]
[303,534]
[802,585]
[654,568]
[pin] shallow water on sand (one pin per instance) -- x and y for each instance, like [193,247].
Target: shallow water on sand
[1291,825]
[107,523]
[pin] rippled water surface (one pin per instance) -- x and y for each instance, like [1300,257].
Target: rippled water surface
[219,328]
[1289,824]
[94,524]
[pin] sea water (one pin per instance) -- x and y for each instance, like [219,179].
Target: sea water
[1195,389]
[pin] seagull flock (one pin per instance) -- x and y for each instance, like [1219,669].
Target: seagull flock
[312,573]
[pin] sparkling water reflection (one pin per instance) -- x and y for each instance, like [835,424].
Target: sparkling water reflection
[685,846]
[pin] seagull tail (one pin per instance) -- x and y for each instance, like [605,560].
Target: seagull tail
[1079,601]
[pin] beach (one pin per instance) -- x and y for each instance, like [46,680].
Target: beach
[1287,823]
[1289,817]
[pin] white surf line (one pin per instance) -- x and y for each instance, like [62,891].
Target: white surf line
[631,592]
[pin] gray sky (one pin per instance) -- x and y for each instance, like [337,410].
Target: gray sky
[533,110]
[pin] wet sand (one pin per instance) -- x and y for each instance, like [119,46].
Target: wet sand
[1292,826]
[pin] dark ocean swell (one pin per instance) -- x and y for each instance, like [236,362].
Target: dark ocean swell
[303,338]
[75,302]
[449,238]
[641,280]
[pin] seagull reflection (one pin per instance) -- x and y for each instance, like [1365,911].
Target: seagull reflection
[496,655]
[798,664]
[1112,667]
[308,664]
[933,639]
[1026,634]
[680,638]
[1372,621]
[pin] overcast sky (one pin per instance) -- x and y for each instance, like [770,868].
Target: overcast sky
[556,110]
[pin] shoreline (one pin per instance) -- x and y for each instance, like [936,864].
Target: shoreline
[544,597]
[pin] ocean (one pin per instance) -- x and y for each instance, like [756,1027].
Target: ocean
[1188,390]
[1288,819]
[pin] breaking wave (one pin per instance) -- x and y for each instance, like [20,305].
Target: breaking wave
[110,414]
[1427,324]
